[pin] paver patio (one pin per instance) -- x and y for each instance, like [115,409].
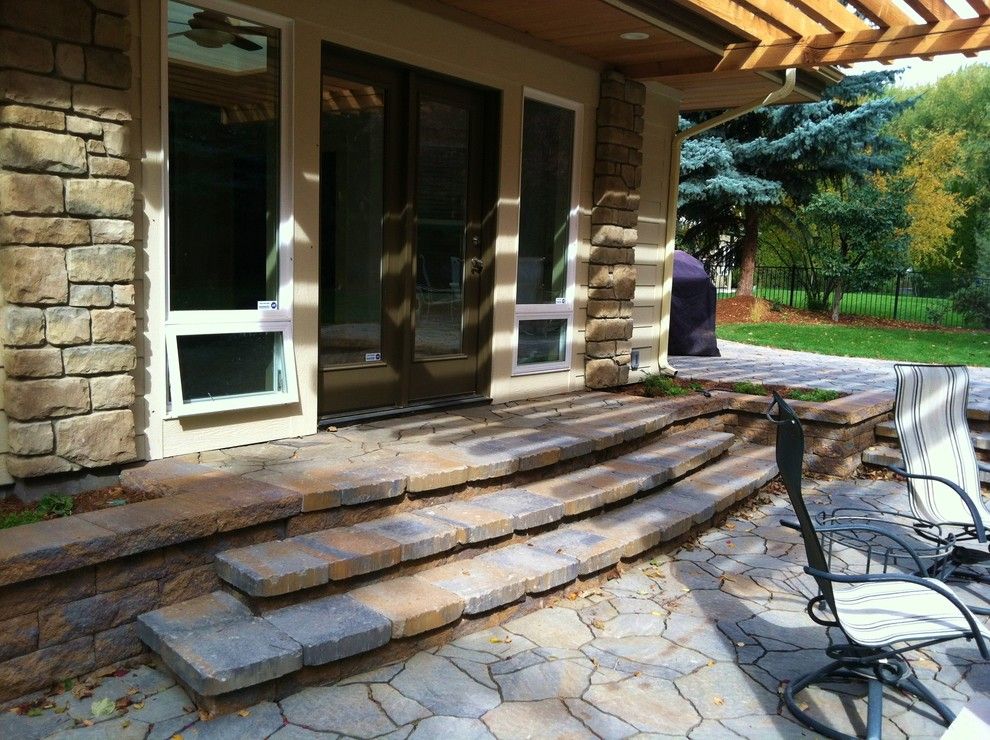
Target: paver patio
[693,643]
[772,365]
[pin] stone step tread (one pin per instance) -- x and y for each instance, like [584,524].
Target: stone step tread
[337,473]
[883,456]
[888,430]
[273,569]
[216,644]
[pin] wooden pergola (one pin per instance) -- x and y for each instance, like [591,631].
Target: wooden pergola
[720,53]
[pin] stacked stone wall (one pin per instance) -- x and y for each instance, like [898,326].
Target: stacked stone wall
[614,219]
[66,235]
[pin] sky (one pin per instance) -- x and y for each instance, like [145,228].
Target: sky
[919,72]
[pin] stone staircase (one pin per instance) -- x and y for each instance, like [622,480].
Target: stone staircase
[323,603]
[887,452]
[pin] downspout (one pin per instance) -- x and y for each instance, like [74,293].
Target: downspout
[673,180]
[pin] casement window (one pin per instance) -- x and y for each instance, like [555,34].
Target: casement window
[228,329]
[548,211]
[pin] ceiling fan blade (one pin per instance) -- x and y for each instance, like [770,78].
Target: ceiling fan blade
[177,33]
[242,43]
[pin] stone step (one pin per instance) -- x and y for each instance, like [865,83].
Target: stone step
[304,561]
[888,431]
[884,456]
[216,644]
[388,459]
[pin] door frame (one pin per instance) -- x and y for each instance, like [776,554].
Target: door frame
[361,66]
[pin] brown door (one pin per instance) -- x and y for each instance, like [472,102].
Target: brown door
[402,248]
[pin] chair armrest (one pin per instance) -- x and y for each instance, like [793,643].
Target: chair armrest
[900,541]
[980,530]
[928,583]
[985,466]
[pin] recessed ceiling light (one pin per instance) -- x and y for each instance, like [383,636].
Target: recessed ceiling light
[634,36]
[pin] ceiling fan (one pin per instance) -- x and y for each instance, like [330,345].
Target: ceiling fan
[212,29]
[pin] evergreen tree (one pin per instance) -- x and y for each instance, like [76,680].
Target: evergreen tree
[736,175]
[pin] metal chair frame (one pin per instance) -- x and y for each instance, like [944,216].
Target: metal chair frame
[876,666]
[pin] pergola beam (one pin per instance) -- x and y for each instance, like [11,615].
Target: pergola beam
[982,7]
[793,21]
[883,12]
[945,37]
[932,11]
[734,16]
[834,16]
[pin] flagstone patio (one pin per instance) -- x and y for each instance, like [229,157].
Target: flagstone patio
[693,643]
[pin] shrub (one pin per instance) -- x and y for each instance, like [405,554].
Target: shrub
[656,385]
[821,395]
[748,386]
[973,302]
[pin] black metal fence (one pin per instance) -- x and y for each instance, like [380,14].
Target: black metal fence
[907,296]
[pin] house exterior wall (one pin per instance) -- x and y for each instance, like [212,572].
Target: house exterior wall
[66,259]
[101,312]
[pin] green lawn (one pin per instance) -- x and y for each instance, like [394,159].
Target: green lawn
[910,345]
[922,310]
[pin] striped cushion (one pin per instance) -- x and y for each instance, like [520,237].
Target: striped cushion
[930,414]
[883,613]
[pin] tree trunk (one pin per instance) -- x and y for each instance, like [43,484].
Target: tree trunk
[836,301]
[747,252]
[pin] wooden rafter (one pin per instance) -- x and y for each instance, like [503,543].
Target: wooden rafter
[944,37]
[831,14]
[736,16]
[790,18]
[932,11]
[982,7]
[882,12]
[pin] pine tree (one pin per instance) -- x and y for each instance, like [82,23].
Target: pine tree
[734,176]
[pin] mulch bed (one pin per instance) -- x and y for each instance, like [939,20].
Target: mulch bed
[101,498]
[752,310]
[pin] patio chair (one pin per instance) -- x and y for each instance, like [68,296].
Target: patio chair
[940,463]
[882,615]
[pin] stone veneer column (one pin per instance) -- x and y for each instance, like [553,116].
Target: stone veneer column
[611,269]
[66,229]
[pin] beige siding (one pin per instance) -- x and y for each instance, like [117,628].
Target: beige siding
[651,252]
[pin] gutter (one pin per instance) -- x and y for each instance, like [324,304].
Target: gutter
[673,180]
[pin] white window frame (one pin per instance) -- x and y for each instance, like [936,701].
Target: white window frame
[564,309]
[233,402]
[179,323]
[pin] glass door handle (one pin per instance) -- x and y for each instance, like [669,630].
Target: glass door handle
[476,265]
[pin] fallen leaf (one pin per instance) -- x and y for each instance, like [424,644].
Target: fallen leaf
[34,712]
[244,713]
[87,723]
[572,596]
[103,707]
[711,663]
[132,691]
[804,706]
[685,589]
[730,525]
[125,723]
[598,624]
[138,705]
[718,701]
[176,737]
[657,614]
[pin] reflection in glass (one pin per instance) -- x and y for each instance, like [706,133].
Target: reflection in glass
[214,366]
[441,200]
[223,160]
[352,156]
[545,202]
[542,340]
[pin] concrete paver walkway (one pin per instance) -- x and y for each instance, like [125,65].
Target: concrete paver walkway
[694,643]
[771,365]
